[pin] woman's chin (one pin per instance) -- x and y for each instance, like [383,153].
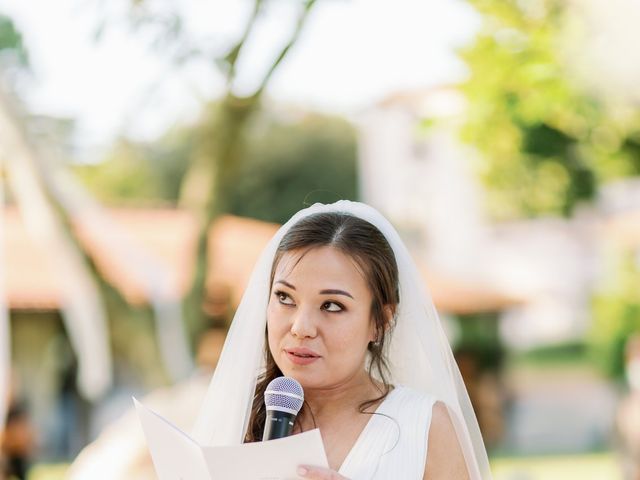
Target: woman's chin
[306,378]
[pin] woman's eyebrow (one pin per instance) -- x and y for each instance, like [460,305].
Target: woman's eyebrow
[324,292]
[336,292]
[286,284]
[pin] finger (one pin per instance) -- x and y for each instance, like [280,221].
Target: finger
[319,473]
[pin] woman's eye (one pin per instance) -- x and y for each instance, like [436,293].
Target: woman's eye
[282,297]
[333,308]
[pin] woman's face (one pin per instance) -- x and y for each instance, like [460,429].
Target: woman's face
[319,318]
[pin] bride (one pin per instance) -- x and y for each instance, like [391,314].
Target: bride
[336,302]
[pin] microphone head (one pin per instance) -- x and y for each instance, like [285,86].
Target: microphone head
[284,394]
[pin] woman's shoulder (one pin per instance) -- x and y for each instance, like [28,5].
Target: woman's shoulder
[427,434]
[444,452]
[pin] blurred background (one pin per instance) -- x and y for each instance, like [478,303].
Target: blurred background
[149,149]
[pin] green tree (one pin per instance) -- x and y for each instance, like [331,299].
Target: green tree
[546,145]
[13,52]
[140,173]
[125,176]
[286,162]
[616,312]
[219,143]
[289,165]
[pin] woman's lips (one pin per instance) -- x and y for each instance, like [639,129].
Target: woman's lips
[301,356]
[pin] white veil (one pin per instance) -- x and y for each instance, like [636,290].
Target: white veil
[419,353]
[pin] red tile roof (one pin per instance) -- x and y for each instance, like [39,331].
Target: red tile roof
[169,236]
[29,280]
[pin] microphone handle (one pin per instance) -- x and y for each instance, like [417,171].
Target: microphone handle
[277,425]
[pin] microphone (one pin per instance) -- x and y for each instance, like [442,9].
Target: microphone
[283,398]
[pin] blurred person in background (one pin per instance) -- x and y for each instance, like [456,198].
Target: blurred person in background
[627,427]
[17,439]
[18,443]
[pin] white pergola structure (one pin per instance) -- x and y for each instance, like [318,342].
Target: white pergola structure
[37,184]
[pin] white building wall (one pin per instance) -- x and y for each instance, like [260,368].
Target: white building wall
[421,179]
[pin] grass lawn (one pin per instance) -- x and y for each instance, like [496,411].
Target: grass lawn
[48,472]
[584,467]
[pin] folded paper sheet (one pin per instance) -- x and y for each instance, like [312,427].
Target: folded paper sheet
[176,456]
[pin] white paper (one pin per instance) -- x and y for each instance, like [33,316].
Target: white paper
[176,456]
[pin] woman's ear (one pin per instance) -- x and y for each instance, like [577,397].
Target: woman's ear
[389,313]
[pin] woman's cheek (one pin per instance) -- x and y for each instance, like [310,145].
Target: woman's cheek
[277,329]
[272,332]
[351,340]
[276,323]
[340,343]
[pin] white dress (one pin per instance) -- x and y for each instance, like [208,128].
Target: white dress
[393,444]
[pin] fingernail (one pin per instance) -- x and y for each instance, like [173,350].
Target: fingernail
[302,471]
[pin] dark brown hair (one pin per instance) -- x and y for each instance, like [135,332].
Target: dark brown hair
[363,242]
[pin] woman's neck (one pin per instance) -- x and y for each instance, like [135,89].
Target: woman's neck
[346,398]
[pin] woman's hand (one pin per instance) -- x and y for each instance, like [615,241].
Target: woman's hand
[319,473]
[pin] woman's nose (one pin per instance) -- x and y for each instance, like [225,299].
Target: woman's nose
[303,324]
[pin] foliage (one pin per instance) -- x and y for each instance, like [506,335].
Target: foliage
[290,165]
[546,145]
[572,353]
[12,49]
[616,310]
[479,339]
[140,173]
[220,144]
[286,162]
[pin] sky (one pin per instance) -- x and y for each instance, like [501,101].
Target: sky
[352,53]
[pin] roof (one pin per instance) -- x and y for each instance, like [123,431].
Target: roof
[169,237]
[431,102]
[29,280]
